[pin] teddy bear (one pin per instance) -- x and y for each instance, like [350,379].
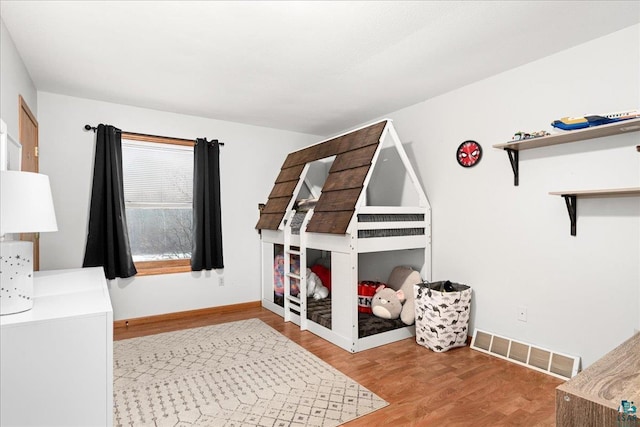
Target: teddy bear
[315,288]
[397,294]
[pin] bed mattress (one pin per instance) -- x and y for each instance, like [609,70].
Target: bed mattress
[319,311]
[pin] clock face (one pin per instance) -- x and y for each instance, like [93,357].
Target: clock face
[469,153]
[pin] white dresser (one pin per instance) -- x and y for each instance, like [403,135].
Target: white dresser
[56,360]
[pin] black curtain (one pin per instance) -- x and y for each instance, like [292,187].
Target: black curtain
[108,239]
[207,217]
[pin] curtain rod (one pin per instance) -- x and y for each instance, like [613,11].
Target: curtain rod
[93,128]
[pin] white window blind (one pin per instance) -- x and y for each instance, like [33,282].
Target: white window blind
[157,174]
[158,193]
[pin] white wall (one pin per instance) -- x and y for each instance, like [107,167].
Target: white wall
[14,81]
[250,162]
[512,244]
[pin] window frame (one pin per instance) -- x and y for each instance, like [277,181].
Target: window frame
[148,268]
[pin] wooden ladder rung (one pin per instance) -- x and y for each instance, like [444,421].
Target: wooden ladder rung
[295,300]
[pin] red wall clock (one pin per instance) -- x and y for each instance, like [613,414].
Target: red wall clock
[469,153]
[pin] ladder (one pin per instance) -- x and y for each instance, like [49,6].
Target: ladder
[295,306]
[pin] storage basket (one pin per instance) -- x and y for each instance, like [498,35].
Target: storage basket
[442,317]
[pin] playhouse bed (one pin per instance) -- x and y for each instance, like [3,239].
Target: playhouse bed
[337,201]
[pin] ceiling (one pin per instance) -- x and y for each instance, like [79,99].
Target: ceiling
[308,66]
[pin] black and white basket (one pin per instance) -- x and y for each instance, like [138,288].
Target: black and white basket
[442,317]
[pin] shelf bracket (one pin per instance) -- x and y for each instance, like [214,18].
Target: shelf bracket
[572,207]
[514,157]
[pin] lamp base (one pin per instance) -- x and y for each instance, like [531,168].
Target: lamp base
[16,276]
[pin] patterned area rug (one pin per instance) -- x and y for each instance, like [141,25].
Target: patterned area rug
[235,374]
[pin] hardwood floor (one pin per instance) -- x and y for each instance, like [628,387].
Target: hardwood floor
[461,387]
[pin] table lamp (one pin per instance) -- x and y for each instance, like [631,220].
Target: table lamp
[26,206]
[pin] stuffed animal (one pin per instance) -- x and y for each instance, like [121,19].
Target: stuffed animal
[408,314]
[401,282]
[278,275]
[387,303]
[315,288]
[324,273]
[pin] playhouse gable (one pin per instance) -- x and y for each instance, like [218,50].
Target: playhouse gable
[355,155]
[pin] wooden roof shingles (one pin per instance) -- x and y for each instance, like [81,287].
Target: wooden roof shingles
[354,152]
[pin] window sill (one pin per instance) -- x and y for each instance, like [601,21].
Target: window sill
[151,268]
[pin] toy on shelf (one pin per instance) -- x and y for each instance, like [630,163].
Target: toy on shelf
[520,136]
[572,123]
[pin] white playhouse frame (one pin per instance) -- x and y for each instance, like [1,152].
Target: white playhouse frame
[346,250]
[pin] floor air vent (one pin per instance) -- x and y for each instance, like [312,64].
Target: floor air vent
[540,359]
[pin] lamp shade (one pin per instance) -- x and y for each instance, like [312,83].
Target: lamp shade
[26,204]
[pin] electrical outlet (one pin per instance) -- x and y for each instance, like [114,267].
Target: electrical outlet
[220,280]
[522,314]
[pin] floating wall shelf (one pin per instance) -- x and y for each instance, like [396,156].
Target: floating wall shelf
[513,148]
[571,199]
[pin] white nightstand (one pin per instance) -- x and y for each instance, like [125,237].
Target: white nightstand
[56,360]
